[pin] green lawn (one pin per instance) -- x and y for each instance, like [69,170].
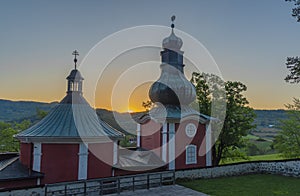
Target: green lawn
[258,184]
[268,157]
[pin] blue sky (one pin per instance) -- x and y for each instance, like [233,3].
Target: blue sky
[249,40]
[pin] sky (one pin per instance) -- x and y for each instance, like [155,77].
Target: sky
[248,40]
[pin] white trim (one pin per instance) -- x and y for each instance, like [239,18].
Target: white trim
[138,135]
[113,172]
[37,154]
[194,147]
[115,154]
[208,146]
[83,161]
[38,181]
[164,142]
[171,146]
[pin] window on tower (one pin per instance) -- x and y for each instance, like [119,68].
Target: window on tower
[191,154]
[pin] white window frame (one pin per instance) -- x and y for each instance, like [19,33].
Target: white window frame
[187,154]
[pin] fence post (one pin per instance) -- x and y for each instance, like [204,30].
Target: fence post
[161,183]
[65,189]
[46,189]
[148,181]
[174,177]
[85,187]
[133,189]
[101,187]
[118,180]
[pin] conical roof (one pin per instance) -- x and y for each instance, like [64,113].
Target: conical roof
[73,119]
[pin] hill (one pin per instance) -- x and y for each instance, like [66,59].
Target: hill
[267,121]
[20,110]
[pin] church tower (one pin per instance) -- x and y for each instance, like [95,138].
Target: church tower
[178,134]
[71,143]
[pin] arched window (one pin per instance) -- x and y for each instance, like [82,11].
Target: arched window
[191,154]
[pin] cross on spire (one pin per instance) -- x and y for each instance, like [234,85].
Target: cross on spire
[75,53]
[173,19]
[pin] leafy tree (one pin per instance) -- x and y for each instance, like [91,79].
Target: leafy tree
[238,119]
[296,9]
[7,131]
[287,141]
[293,63]
[147,105]
[41,113]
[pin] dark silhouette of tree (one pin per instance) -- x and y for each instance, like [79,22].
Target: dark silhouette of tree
[293,63]
[296,9]
[147,105]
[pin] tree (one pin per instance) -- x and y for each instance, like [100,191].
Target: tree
[287,141]
[41,113]
[147,105]
[296,10]
[293,63]
[238,119]
[7,131]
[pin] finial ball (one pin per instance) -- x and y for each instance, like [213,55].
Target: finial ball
[173,18]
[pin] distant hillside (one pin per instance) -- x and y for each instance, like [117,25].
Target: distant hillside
[19,110]
[269,117]
[267,121]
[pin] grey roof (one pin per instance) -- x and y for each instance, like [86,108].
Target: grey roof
[72,118]
[172,112]
[11,168]
[138,159]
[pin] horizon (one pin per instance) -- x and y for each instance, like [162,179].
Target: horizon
[114,110]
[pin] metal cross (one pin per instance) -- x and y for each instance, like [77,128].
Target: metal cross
[75,53]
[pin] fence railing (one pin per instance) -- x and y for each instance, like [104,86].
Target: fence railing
[111,185]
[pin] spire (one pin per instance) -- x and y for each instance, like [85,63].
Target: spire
[75,53]
[172,42]
[172,88]
[173,19]
[75,78]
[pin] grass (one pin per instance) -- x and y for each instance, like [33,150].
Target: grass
[267,157]
[258,184]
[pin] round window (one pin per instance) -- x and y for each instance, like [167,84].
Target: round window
[190,130]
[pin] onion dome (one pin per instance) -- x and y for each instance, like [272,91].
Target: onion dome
[172,88]
[172,42]
[72,120]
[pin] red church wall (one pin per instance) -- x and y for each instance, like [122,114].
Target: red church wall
[26,154]
[100,160]
[182,140]
[59,162]
[151,136]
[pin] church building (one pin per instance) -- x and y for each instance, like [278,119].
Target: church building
[71,143]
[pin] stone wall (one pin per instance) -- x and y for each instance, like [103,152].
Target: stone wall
[282,167]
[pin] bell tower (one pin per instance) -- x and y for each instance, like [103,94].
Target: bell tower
[173,130]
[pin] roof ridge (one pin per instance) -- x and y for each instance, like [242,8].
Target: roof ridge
[6,163]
